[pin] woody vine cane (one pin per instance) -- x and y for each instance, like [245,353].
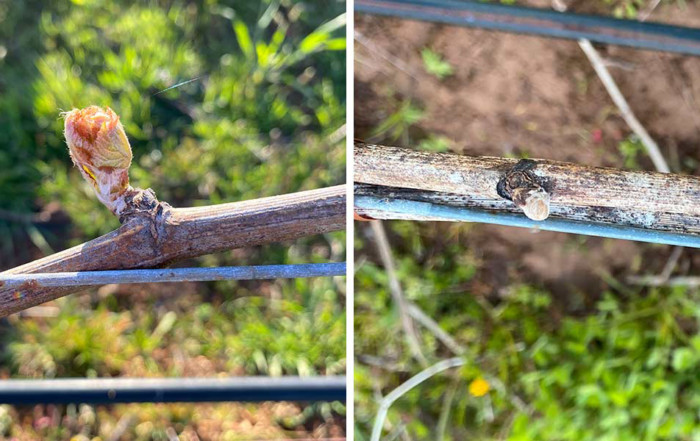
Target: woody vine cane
[154,234]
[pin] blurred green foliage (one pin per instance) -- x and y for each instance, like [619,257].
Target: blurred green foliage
[270,93]
[264,115]
[630,149]
[626,8]
[249,335]
[396,126]
[631,9]
[624,369]
[435,65]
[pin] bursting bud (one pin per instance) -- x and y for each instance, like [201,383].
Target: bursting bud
[99,148]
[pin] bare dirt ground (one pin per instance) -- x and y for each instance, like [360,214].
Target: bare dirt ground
[515,94]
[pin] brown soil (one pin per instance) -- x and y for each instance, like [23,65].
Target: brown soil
[514,94]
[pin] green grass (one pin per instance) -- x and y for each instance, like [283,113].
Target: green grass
[621,369]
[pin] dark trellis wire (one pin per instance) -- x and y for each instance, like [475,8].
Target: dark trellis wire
[642,35]
[82,278]
[170,390]
[120,390]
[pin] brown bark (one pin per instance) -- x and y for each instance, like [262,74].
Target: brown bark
[155,234]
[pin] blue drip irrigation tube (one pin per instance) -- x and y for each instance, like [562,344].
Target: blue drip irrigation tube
[543,22]
[407,208]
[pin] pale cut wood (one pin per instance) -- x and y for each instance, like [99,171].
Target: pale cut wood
[642,199]
[163,235]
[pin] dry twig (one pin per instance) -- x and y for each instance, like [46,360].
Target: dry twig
[625,110]
[396,291]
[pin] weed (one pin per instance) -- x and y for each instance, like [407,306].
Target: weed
[397,124]
[630,149]
[435,65]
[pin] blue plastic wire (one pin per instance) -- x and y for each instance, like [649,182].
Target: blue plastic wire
[405,208]
[170,390]
[81,278]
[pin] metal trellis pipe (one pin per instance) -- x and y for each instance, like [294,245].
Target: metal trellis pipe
[83,278]
[170,390]
[641,35]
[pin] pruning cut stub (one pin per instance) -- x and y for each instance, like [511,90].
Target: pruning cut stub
[526,190]
[100,149]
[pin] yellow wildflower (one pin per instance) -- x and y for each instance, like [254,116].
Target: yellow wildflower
[479,387]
